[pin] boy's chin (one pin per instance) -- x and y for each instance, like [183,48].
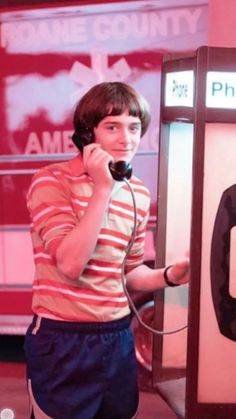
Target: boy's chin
[123,157]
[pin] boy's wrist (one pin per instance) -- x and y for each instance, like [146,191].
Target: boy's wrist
[167,279]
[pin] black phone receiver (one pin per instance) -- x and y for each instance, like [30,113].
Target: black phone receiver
[120,170]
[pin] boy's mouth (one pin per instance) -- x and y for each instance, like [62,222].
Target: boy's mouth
[127,150]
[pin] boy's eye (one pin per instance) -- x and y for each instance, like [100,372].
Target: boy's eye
[111,127]
[135,128]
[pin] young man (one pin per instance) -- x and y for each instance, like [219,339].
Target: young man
[79,349]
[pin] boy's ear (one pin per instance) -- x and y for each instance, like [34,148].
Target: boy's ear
[82,137]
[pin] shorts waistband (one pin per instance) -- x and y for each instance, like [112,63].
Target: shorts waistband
[83,327]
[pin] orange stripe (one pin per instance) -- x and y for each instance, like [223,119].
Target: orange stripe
[49,204]
[129,207]
[80,197]
[121,214]
[39,249]
[50,226]
[79,206]
[75,181]
[139,239]
[107,242]
[115,234]
[53,246]
[137,257]
[103,274]
[45,184]
[122,204]
[51,213]
[43,261]
[91,302]
[51,283]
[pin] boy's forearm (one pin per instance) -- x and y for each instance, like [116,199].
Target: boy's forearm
[144,278]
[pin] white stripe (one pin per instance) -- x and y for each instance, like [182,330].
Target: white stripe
[134,262]
[112,238]
[141,235]
[99,268]
[82,204]
[79,295]
[43,212]
[57,228]
[125,211]
[49,209]
[38,413]
[139,187]
[41,254]
[54,238]
[117,186]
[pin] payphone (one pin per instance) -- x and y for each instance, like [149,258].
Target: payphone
[197,211]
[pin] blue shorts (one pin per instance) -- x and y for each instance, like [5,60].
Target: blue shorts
[82,370]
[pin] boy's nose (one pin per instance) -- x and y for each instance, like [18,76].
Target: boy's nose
[125,136]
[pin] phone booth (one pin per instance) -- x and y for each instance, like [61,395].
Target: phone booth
[194,369]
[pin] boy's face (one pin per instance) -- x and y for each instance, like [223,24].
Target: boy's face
[119,135]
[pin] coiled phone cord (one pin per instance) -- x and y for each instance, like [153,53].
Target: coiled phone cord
[123,279]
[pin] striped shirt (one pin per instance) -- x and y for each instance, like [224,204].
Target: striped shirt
[57,199]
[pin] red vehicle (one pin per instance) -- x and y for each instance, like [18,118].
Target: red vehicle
[50,55]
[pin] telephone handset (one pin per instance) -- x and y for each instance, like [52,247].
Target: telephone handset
[120,170]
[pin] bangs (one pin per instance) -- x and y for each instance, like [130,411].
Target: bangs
[122,104]
[112,98]
[123,100]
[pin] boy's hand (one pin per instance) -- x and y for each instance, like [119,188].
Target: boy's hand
[179,272]
[96,162]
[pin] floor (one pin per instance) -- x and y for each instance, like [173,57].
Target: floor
[13,395]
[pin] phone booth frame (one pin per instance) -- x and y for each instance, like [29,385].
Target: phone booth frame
[206,61]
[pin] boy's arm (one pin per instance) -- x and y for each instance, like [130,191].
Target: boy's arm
[76,248]
[144,278]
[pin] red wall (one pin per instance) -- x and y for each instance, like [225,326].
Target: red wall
[221,23]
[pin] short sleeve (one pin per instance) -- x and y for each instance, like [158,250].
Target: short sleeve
[50,209]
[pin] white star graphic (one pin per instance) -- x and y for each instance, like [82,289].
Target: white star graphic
[87,77]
